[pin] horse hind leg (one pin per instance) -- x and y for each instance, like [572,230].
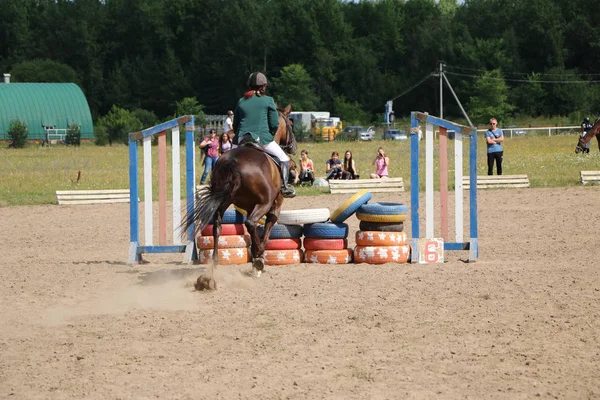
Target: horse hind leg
[257,247]
[206,281]
[272,217]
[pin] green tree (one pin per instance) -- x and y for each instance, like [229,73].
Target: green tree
[73,136]
[17,132]
[490,98]
[117,124]
[530,96]
[350,113]
[190,106]
[565,98]
[15,33]
[146,117]
[294,86]
[44,71]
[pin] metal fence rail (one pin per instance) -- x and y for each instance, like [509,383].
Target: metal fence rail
[552,130]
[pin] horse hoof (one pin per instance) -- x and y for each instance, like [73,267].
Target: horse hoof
[258,264]
[205,283]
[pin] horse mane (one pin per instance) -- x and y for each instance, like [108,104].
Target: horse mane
[290,146]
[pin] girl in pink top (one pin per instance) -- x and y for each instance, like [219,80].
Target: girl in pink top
[307,169]
[381,163]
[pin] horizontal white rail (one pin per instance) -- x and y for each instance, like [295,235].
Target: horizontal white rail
[549,129]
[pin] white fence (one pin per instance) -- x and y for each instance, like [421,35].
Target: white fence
[53,135]
[551,130]
[521,131]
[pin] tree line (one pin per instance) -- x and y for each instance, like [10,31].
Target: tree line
[503,57]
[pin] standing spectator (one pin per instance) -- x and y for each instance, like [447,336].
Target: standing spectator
[334,167]
[228,125]
[225,143]
[307,169]
[349,170]
[210,145]
[381,163]
[586,125]
[494,138]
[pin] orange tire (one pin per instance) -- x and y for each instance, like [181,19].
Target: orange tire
[226,229]
[225,242]
[325,244]
[226,256]
[328,256]
[282,257]
[284,244]
[372,238]
[381,254]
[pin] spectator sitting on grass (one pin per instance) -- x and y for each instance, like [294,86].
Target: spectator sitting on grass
[381,163]
[349,167]
[334,167]
[307,169]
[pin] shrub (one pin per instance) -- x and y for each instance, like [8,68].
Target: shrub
[17,132]
[118,123]
[100,135]
[73,136]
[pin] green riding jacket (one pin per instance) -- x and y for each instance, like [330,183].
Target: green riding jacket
[257,116]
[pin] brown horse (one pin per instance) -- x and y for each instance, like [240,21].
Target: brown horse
[584,139]
[247,177]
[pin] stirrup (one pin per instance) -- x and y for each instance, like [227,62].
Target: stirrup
[288,192]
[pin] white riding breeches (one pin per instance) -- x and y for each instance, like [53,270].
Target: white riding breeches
[274,150]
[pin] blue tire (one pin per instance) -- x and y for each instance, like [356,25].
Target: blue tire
[326,230]
[375,208]
[281,231]
[350,206]
[232,217]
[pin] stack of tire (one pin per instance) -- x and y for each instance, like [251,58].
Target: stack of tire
[285,244]
[327,243]
[381,238]
[233,241]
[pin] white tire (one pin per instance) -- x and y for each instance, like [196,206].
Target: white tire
[301,217]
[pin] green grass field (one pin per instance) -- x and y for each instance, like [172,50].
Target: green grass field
[32,175]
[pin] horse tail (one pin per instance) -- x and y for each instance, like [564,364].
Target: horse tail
[224,183]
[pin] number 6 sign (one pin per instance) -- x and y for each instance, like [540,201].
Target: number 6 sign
[431,251]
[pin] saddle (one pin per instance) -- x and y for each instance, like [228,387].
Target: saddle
[247,141]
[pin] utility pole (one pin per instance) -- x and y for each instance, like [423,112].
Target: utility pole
[441,91]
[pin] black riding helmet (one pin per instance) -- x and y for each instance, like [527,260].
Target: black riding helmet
[586,120]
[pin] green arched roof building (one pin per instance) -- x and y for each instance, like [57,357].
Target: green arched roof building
[40,105]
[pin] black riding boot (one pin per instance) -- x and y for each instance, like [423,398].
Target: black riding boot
[286,189]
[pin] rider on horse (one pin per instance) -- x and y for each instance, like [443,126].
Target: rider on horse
[586,125]
[256,120]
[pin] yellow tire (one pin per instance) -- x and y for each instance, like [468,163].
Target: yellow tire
[245,214]
[381,218]
[350,206]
